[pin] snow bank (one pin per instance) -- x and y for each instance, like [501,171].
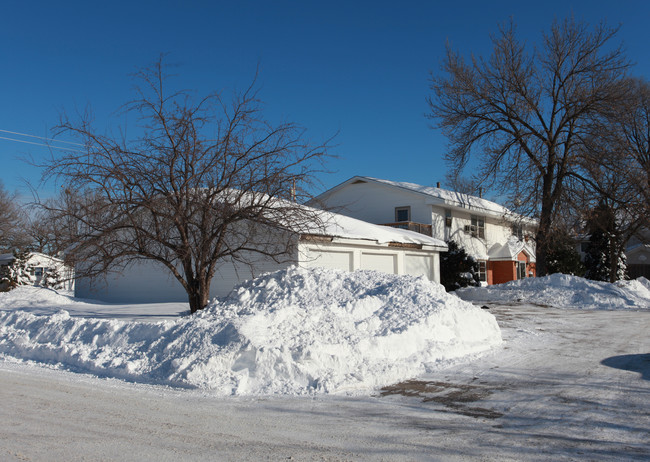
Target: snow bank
[28,297]
[295,331]
[564,291]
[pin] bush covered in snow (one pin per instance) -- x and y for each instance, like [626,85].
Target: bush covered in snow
[294,331]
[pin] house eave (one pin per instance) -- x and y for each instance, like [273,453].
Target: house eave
[324,239]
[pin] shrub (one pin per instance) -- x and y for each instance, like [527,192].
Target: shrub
[457,269]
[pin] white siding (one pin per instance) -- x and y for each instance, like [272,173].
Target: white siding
[497,231]
[142,282]
[151,282]
[474,246]
[376,203]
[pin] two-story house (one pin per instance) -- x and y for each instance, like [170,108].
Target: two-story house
[500,240]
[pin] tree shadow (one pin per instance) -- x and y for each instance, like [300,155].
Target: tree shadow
[636,363]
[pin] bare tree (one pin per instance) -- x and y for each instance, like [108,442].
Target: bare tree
[634,124]
[204,182]
[12,219]
[620,167]
[526,111]
[615,172]
[463,185]
[46,229]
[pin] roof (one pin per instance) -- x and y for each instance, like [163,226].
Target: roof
[340,226]
[333,225]
[6,258]
[510,250]
[641,247]
[9,257]
[443,197]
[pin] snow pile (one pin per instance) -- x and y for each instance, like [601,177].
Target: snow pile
[294,331]
[564,291]
[34,298]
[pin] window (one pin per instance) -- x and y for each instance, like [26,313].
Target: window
[38,272]
[482,270]
[521,270]
[477,228]
[402,214]
[518,231]
[448,218]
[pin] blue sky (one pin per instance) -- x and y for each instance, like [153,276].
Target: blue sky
[357,68]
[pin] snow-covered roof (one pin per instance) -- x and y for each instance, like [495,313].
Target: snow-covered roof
[510,250]
[447,198]
[340,226]
[34,258]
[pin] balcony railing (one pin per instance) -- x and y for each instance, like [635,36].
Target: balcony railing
[412,226]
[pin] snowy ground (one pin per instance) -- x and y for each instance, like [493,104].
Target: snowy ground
[566,384]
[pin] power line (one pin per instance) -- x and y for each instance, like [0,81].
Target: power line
[39,137]
[40,144]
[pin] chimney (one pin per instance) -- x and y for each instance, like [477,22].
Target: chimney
[438,185]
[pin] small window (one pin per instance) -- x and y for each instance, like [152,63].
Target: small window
[402,214]
[448,218]
[517,230]
[477,228]
[38,272]
[521,270]
[482,270]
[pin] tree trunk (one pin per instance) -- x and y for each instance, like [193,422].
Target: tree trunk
[613,261]
[544,229]
[541,265]
[198,295]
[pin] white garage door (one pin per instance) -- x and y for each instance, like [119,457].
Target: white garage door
[379,262]
[329,259]
[418,265]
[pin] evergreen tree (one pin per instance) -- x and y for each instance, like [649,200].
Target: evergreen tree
[457,269]
[16,273]
[19,270]
[52,279]
[5,278]
[605,259]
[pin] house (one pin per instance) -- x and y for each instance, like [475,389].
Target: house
[340,242]
[638,260]
[40,269]
[637,252]
[500,240]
